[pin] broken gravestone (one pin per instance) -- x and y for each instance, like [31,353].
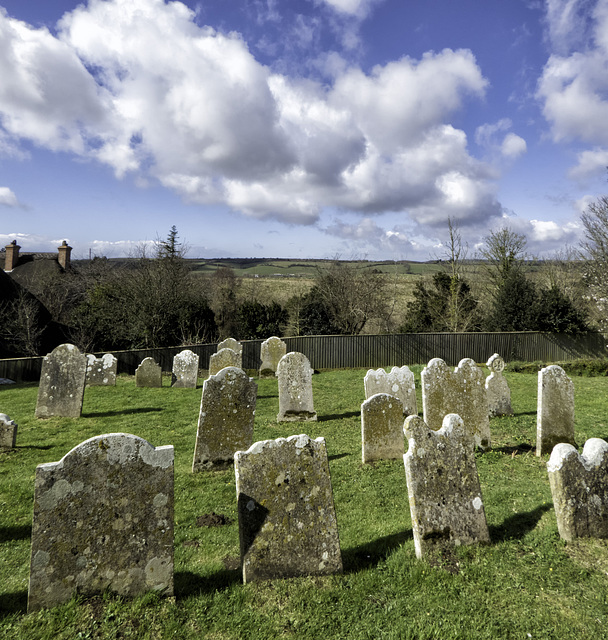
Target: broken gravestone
[185,370]
[62,380]
[271,352]
[497,388]
[287,520]
[148,374]
[101,372]
[443,486]
[225,423]
[295,389]
[8,432]
[399,383]
[555,410]
[225,357]
[382,428]
[103,521]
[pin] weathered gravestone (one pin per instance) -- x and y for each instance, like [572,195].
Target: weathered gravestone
[579,486]
[103,520]
[148,374]
[271,352]
[443,486]
[287,520]
[382,428]
[461,391]
[497,388]
[226,418]
[62,381]
[295,389]
[236,346]
[399,383]
[185,370]
[224,358]
[101,372]
[555,410]
[8,432]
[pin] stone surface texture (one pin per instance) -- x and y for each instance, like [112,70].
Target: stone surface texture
[148,374]
[225,423]
[271,352]
[287,520]
[103,520]
[185,369]
[225,357]
[295,389]
[230,343]
[8,432]
[101,372]
[497,388]
[382,428]
[555,410]
[399,383]
[443,486]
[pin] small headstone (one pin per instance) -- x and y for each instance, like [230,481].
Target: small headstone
[461,391]
[225,357]
[497,388]
[8,432]
[579,486]
[225,423]
[443,486]
[555,411]
[287,520]
[236,346]
[399,383]
[103,520]
[382,428]
[148,374]
[271,352]
[295,389]
[101,372]
[62,380]
[185,369]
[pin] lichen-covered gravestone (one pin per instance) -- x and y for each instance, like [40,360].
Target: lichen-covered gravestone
[443,486]
[236,346]
[271,352]
[579,486]
[8,432]
[225,357]
[555,410]
[148,374]
[461,391]
[497,388]
[382,428]
[287,520]
[62,381]
[103,520]
[101,372]
[185,370]
[399,383]
[226,418]
[295,389]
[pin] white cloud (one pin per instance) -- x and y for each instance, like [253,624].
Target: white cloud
[357,8]
[513,146]
[8,198]
[368,235]
[590,163]
[489,136]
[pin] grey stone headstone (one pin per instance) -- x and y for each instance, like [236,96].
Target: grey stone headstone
[230,343]
[8,432]
[148,374]
[295,389]
[185,369]
[271,352]
[225,357]
[555,410]
[101,372]
[382,428]
[287,520]
[62,380]
[497,388]
[226,418]
[399,383]
[103,520]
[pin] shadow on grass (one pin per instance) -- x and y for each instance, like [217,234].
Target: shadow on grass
[371,554]
[337,456]
[187,584]
[124,412]
[34,446]
[22,532]
[524,447]
[525,413]
[13,603]
[338,416]
[276,395]
[516,527]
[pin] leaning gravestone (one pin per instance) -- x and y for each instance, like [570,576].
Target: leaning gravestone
[185,370]
[382,428]
[225,423]
[8,432]
[62,381]
[271,352]
[148,374]
[497,388]
[443,486]
[103,521]
[399,383]
[225,357]
[101,372]
[295,389]
[461,391]
[287,520]
[579,487]
[555,410]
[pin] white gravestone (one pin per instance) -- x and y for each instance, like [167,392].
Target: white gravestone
[399,383]
[555,410]
[101,372]
[295,389]
[497,388]
[381,428]
[185,370]
[8,432]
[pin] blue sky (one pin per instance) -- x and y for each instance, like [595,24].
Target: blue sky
[300,128]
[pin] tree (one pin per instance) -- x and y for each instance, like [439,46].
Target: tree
[514,306]
[258,320]
[313,316]
[594,250]
[224,288]
[170,248]
[503,253]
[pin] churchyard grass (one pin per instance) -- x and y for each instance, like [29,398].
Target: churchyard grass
[526,583]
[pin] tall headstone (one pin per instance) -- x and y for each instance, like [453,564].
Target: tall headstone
[148,374]
[101,372]
[295,389]
[555,411]
[579,486]
[461,391]
[399,383]
[8,432]
[236,346]
[103,520]
[287,520]
[225,357]
[225,423]
[443,486]
[62,380]
[382,428]
[497,388]
[185,369]
[271,352]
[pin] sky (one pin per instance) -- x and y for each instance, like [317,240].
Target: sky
[300,128]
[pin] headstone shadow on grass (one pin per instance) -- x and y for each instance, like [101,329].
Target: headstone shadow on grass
[21,532]
[516,526]
[369,555]
[11,603]
[339,416]
[186,583]
[122,412]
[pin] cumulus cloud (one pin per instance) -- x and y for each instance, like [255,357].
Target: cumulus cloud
[8,198]
[513,146]
[367,234]
[357,8]
[592,162]
[490,137]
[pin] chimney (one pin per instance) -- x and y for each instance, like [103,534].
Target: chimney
[64,255]
[12,256]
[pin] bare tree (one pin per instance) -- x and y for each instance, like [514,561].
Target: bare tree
[21,325]
[504,252]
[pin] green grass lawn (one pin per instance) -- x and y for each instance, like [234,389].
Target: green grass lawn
[526,583]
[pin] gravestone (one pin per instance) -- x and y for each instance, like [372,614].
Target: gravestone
[101,372]
[461,391]
[382,428]
[8,432]
[295,389]
[185,370]
[443,486]
[148,374]
[103,520]
[271,351]
[224,358]
[555,409]
[579,487]
[399,383]
[287,520]
[225,423]
[62,380]
[236,346]
[497,388]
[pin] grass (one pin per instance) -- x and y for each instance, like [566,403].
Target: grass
[525,583]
